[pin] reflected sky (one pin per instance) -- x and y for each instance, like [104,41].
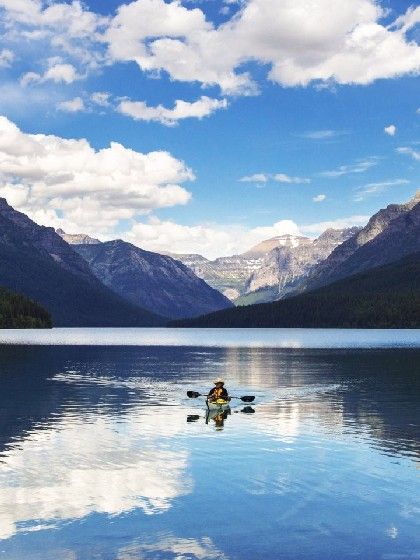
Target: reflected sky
[98,460]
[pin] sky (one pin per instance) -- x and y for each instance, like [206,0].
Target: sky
[207,126]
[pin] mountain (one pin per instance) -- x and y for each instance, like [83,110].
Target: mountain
[267,271]
[383,297]
[153,281]
[37,262]
[17,311]
[77,239]
[288,263]
[389,235]
[230,275]
[288,240]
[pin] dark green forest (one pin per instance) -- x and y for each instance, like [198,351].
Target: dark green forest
[17,311]
[383,297]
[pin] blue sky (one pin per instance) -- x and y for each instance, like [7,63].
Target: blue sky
[290,117]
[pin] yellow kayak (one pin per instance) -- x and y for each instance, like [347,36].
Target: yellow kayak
[218,404]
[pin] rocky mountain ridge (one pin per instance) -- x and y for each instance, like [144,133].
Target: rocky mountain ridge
[36,262]
[285,265]
[77,238]
[390,234]
[269,268]
[150,280]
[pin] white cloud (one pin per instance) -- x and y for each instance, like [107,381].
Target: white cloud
[97,473]
[58,73]
[72,106]
[255,178]
[100,98]
[317,228]
[283,178]
[6,58]
[376,188]
[321,134]
[359,167]
[67,30]
[278,177]
[210,240]
[300,41]
[319,198]
[410,152]
[203,107]
[390,130]
[41,174]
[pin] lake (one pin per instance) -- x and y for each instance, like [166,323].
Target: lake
[104,457]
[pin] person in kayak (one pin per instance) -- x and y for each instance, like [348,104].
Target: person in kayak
[218,391]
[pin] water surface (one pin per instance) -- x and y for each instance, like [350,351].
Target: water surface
[103,456]
[221,338]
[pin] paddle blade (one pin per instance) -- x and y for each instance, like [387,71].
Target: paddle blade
[193,394]
[248,398]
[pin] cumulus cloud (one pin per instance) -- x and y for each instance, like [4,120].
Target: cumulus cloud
[210,240]
[300,42]
[203,107]
[390,130]
[410,152]
[60,28]
[360,166]
[371,189]
[58,73]
[317,228]
[92,190]
[319,198]
[72,106]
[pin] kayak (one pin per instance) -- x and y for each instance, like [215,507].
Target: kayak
[218,404]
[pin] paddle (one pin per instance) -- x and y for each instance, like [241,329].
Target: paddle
[245,398]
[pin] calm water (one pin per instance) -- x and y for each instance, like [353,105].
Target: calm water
[103,456]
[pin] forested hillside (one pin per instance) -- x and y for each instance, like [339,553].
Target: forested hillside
[17,311]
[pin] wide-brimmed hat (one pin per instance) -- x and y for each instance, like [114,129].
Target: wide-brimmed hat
[218,381]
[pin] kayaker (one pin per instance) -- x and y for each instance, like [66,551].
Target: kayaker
[218,391]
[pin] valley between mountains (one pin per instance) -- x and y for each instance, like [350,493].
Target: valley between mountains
[80,281]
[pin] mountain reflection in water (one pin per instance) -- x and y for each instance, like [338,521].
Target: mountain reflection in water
[98,461]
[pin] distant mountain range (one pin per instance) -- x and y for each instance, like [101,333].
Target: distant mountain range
[268,270]
[361,278]
[382,297]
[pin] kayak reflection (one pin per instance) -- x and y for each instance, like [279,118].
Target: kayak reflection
[218,416]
